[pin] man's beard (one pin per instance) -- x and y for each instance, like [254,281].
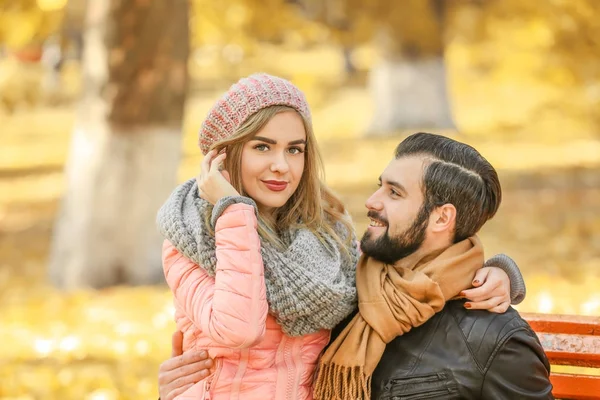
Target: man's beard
[391,249]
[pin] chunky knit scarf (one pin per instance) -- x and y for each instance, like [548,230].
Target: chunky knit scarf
[310,285]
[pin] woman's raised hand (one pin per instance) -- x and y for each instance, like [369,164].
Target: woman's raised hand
[213,180]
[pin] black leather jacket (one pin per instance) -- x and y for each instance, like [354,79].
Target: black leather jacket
[464,354]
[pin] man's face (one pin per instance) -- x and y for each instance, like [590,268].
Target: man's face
[398,221]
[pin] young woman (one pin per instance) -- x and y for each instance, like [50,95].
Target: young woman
[260,255]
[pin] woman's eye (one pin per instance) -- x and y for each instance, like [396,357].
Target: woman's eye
[296,150]
[261,147]
[394,193]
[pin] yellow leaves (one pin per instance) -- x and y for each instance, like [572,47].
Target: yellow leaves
[514,67]
[237,16]
[19,28]
[51,5]
[244,23]
[24,23]
[538,33]
[86,345]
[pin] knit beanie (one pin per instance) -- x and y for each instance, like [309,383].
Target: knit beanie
[243,99]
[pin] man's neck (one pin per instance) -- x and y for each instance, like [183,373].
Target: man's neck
[422,255]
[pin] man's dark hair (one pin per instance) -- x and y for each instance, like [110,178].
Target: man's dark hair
[456,174]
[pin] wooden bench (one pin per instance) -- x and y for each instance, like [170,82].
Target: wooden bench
[570,340]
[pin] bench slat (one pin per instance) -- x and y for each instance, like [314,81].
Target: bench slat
[567,386]
[570,340]
[578,350]
[571,324]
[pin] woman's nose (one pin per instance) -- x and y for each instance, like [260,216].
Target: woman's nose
[280,164]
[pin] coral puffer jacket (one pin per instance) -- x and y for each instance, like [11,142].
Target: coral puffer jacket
[228,316]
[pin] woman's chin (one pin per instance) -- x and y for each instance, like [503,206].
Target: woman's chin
[270,205]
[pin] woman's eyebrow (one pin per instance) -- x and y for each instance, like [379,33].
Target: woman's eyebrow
[299,141]
[264,139]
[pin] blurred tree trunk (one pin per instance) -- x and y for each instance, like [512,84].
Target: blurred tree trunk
[70,35]
[126,142]
[408,84]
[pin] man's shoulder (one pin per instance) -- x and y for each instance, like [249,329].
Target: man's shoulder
[468,320]
[485,332]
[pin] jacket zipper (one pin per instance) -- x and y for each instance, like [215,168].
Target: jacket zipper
[211,379]
[415,380]
[291,370]
[281,386]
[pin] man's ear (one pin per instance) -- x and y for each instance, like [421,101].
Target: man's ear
[443,218]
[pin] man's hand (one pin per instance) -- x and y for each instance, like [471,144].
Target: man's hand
[181,371]
[491,292]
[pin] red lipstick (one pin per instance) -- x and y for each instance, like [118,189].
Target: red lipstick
[276,186]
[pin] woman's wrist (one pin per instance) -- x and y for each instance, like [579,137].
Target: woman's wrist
[509,266]
[225,202]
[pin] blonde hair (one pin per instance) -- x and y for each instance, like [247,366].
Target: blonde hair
[312,205]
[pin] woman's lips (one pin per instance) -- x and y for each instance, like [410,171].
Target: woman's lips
[276,186]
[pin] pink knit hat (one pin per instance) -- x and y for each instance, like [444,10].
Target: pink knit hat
[243,99]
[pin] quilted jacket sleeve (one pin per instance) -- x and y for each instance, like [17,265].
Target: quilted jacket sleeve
[231,308]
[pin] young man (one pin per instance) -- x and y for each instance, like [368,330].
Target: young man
[434,196]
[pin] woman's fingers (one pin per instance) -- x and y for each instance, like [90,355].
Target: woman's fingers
[206,162]
[176,343]
[486,304]
[177,374]
[217,162]
[214,182]
[484,292]
[187,359]
[480,276]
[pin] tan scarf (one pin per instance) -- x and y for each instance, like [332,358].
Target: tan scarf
[392,299]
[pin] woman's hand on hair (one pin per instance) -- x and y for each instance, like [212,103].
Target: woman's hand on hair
[213,180]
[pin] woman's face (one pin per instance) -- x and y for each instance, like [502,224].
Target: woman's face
[273,161]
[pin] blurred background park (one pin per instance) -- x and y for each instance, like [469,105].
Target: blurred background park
[100,105]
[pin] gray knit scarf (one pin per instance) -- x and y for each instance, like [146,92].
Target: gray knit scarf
[309,286]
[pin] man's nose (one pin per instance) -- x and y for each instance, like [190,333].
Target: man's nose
[374,203]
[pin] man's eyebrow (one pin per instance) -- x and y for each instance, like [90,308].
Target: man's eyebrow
[395,184]
[264,139]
